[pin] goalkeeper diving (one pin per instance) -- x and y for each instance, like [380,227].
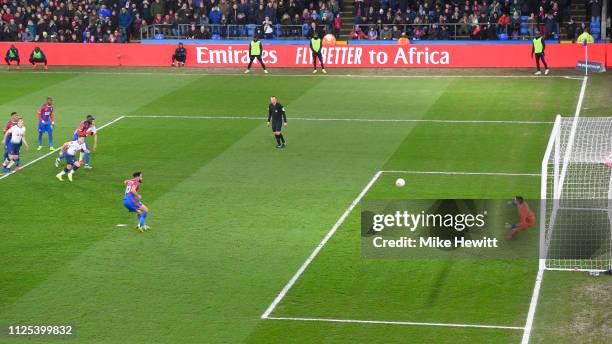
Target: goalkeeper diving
[526,217]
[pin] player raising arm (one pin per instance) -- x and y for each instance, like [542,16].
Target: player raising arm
[526,217]
[132,200]
[69,150]
[17,138]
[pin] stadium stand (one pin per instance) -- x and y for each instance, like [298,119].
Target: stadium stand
[111,21]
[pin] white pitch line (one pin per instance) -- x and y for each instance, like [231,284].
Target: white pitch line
[56,150]
[317,249]
[467,173]
[397,323]
[540,276]
[390,120]
[195,73]
[332,231]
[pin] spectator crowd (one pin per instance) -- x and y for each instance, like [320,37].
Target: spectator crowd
[474,19]
[95,21]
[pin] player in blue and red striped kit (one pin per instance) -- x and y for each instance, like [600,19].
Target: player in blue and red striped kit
[87,128]
[132,200]
[46,123]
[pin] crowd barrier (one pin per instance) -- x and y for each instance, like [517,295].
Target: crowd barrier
[353,55]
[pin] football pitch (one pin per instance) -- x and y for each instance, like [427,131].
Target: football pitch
[255,244]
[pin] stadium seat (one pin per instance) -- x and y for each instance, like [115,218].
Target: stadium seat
[278,30]
[216,36]
[251,30]
[502,36]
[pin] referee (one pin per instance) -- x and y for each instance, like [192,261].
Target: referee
[276,119]
[315,47]
[255,50]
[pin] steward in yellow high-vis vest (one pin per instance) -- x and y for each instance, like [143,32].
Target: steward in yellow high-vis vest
[255,52]
[12,55]
[37,56]
[538,48]
[316,45]
[585,37]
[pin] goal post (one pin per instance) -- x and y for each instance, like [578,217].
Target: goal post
[576,196]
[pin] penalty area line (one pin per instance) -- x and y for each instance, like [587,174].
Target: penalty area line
[56,150]
[315,252]
[384,322]
[266,315]
[501,174]
[381,120]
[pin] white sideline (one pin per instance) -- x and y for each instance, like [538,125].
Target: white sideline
[391,120]
[330,233]
[538,282]
[57,149]
[317,249]
[397,323]
[308,75]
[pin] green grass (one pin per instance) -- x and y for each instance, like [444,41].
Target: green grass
[233,218]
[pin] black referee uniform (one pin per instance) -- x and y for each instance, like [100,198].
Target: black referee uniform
[277,118]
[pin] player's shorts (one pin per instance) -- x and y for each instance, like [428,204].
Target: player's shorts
[70,159]
[132,203]
[277,125]
[75,137]
[13,148]
[44,127]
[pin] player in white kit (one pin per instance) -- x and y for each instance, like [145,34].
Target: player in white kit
[17,133]
[69,150]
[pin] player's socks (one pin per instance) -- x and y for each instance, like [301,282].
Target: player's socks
[143,218]
[51,139]
[40,134]
[10,164]
[63,172]
[17,162]
[282,138]
[278,140]
[87,158]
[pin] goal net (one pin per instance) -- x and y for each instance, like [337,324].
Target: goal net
[576,191]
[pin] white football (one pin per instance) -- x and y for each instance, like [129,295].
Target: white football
[400,182]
